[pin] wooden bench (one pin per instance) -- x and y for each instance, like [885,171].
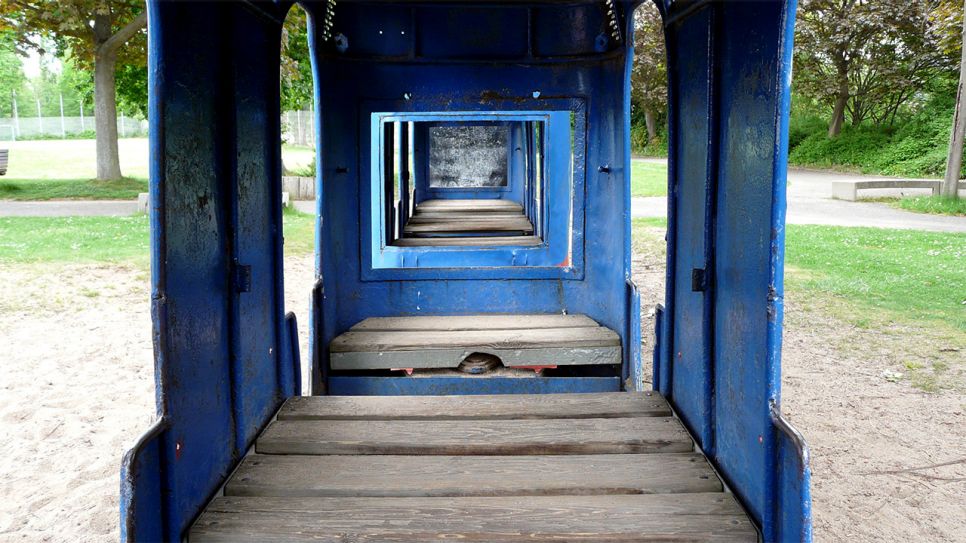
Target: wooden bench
[471,222]
[847,190]
[444,342]
[602,467]
[4,159]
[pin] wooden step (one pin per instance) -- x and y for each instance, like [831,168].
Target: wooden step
[413,476]
[502,407]
[607,467]
[706,517]
[463,241]
[482,437]
[443,342]
[461,226]
[473,204]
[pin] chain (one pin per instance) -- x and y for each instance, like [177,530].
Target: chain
[327,19]
[612,20]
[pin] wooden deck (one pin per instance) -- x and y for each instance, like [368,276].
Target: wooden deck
[444,342]
[471,222]
[560,467]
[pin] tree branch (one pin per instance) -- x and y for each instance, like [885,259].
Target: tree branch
[125,33]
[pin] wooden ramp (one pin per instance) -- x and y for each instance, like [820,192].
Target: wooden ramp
[468,222]
[444,342]
[559,467]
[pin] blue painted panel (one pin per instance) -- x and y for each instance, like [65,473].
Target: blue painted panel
[689,46]
[257,228]
[408,386]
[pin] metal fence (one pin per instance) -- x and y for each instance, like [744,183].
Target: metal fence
[298,128]
[26,128]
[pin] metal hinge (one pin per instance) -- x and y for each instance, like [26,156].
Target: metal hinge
[699,280]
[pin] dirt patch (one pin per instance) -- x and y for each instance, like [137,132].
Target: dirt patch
[77,388]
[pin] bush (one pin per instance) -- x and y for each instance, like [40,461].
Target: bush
[641,146]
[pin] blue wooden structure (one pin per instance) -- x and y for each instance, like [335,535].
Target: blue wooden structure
[226,352]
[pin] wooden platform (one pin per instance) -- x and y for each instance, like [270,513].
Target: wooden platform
[564,467]
[472,222]
[444,342]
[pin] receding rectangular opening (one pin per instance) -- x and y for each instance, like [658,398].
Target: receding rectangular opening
[473,189]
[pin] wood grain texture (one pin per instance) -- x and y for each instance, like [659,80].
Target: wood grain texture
[413,476]
[447,226]
[479,204]
[484,437]
[477,241]
[476,322]
[451,358]
[535,338]
[694,518]
[502,406]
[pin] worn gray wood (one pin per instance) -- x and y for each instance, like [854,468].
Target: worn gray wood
[503,205]
[446,226]
[483,437]
[434,218]
[396,476]
[476,322]
[476,241]
[497,406]
[699,517]
[451,358]
[535,338]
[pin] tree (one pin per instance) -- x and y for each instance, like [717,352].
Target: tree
[649,73]
[954,157]
[865,58]
[11,74]
[96,32]
[296,68]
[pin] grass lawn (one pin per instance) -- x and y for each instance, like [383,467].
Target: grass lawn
[65,169]
[931,204]
[109,239]
[880,274]
[648,178]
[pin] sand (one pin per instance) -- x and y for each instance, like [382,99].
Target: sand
[77,388]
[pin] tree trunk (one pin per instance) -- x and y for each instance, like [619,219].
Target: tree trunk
[841,95]
[954,160]
[105,117]
[651,124]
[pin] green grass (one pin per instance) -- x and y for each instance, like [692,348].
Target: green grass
[65,169]
[648,178]
[901,275]
[932,204]
[71,189]
[108,239]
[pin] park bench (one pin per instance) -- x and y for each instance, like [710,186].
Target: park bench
[847,190]
[4,159]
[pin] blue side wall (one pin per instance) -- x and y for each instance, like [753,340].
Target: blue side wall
[729,73]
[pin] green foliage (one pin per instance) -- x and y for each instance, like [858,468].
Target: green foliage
[296,66]
[11,73]
[916,147]
[933,204]
[641,146]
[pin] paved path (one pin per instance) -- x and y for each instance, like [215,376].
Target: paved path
[808,203]
[64,208]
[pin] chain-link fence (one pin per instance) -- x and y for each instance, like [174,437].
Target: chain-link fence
[298,128]
[27,128]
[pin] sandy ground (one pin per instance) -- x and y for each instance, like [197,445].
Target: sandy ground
[76,389]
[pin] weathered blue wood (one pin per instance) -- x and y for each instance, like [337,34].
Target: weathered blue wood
[408,386]
[729,68]
[226,357]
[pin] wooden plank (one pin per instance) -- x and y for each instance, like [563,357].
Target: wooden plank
[501,406]
[467,217]
[452,357]
[469,204]
[414,476]
[695,518]
[476,322]
[484,437]
[390,340]
[456,227]
[481,241]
